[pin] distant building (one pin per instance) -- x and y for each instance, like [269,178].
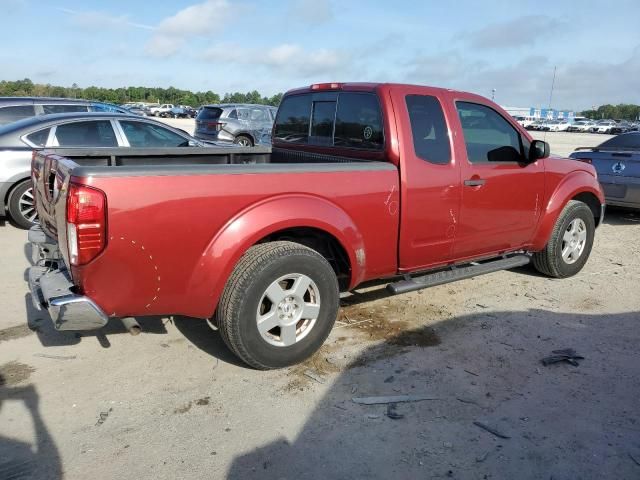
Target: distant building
[547,113]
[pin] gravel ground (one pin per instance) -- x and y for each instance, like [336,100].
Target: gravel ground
[173,403]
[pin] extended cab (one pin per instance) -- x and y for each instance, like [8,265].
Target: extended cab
[364,181]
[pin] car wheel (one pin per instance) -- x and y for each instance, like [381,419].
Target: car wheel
[22,207]
[243,141]
[570,243]
[279,305]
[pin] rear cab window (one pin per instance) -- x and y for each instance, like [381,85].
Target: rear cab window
[333,119]
[428,129]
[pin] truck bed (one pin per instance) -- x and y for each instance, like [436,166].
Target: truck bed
[172,223]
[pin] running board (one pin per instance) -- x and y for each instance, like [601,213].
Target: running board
[410,284]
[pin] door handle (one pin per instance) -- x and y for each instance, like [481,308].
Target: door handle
[475,182]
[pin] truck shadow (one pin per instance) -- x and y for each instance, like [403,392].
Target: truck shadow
[22,460]
[486,372]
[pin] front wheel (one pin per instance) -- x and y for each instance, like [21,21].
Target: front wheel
[279,305]
[22,206]
[570,243]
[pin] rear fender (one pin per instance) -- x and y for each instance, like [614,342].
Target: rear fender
[574,184]
[257,222]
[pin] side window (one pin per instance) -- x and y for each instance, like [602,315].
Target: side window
[488,136]
[86,134]
[15,113]
[292,121]
[322,120]
[359,122]
[64,108]
[146,135]
[233,114]
[243,114]
[428,129]
[39,138]
[258,115]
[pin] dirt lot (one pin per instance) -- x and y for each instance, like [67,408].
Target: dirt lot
[173,403]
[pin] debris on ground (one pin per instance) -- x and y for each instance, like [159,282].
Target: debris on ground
[471,373]
[392,412]
[482,458]
[103,417]
[635,460]
[491,430]
[568,355]
[55,357]
[391,399]
[314,376]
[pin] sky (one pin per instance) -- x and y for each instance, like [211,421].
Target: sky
[272,46]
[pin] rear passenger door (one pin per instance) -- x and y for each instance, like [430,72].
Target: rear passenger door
[501,192]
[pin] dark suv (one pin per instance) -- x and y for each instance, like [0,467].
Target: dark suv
[240,123]
[13,109]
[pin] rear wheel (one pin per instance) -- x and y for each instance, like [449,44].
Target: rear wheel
[570,243]
[279,305]
[243,141]
[22,206]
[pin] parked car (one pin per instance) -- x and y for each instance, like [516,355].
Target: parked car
[181,111]
[617,161]
[524,121]
[581,126]
[364,182]
[237,123]
[555,126]
[536,125]
[135,110]
[621,126]
[150,108]
[157,111]
[603,126]
[16,108]
[95,130]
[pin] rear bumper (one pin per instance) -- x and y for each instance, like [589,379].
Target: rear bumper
[52,289]
[219,136]
[621,191]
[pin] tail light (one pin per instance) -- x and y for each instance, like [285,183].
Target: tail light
[217,126]
[585,160]
[86,223]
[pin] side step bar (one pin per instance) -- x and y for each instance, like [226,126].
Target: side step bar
[410,284]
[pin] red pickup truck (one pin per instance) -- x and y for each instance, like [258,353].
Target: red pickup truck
[364,181]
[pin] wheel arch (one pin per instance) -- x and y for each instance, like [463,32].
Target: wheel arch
[312,221]
[579,185]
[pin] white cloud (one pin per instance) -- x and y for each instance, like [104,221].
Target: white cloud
[517,32]
[203,19]
[287,57]
[312,12]
[98,19]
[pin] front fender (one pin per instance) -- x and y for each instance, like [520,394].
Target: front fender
[260,220]
[572,185]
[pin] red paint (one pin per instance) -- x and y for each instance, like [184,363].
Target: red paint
[172,241]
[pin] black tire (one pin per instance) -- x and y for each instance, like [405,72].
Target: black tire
[550,261]
[258,268]
[243,138]
[17,217]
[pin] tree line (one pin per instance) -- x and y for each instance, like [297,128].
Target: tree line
[622,111]
[26,88]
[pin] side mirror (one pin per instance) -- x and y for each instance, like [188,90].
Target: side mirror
[538,150]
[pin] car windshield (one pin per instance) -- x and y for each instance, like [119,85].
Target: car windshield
[630,141]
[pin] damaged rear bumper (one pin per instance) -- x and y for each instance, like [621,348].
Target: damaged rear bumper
[51,288]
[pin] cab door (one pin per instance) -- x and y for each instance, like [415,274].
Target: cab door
[430,178]
[502,193]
